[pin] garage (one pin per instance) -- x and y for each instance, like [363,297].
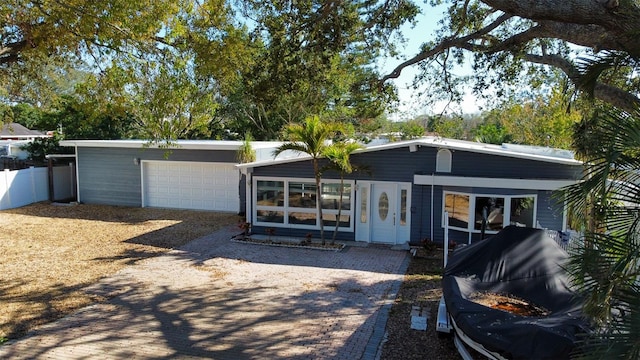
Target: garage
[190,185]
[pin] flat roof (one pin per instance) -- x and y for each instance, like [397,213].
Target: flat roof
[180,144]
[536,153]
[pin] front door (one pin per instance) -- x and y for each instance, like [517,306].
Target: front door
[384,206]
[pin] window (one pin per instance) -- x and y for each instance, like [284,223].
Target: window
[522,209]
[457,205]
[499,210]
[403,207]
[292,203]
[492,208]
[363,205]
[443,161]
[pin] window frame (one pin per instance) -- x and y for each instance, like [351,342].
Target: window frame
[472,205]
[286,209]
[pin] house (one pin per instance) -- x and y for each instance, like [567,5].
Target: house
[15,131]
[403,200]
[199,175]
[412,185]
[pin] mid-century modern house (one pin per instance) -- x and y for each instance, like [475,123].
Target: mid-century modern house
[403,196]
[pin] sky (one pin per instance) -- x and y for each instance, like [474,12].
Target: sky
[410,106]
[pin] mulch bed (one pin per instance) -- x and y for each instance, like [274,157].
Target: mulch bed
[421,287]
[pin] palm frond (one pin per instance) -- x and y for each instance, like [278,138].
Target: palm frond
[591,68]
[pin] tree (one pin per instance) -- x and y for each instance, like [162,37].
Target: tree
[593,43]
[543,120]
[315,57]
[492,134]
[164,62]
[311,137]
[339,155]
[606,265]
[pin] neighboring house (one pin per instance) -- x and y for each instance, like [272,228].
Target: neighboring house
[15,131]
[412,184]
[199,175]
[403,199]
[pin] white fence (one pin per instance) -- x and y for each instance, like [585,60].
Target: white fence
[23,187]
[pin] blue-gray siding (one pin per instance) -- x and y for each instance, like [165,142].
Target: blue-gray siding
[400,165]
[109,175]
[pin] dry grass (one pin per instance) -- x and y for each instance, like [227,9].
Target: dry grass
[49,253]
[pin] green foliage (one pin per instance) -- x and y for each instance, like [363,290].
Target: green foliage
[606,265]
[246,153]
[541,120]
[492,134]
[38,148]
[312,138]
[315,57]
[515,45]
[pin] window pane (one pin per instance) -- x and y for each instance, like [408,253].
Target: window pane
[383,206]
[302,218]
[522,211]
[302,195]
[330,220]
[363,206]
[403,207]
[458,207]
[270,193]
[271,216]
[331,196]
[494,208]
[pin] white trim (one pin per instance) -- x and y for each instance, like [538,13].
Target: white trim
[506,213]
[443,160]
[179,144]
[496,183]
[534,153]
[286,209]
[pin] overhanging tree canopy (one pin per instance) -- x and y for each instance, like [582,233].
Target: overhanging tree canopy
[594,43]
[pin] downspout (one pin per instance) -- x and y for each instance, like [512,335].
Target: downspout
[77,175]
[432,182]
[248,201]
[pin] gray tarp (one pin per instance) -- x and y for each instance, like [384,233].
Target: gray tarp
[521,262]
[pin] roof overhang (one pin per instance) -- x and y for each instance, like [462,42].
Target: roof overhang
[493,183]
[178,144]
[534,153]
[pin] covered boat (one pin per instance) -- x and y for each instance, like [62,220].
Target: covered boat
[541,317]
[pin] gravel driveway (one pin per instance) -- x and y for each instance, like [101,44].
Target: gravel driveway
[219,299]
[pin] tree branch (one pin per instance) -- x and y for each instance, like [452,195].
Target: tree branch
[607,93]
[459,42]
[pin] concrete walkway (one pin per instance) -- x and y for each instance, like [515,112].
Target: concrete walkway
[218,299]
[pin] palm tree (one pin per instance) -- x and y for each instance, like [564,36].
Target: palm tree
[312,138]
[606,265]
[339,154]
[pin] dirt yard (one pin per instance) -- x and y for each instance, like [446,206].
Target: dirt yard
[49,253]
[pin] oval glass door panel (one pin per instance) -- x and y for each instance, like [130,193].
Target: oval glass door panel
[383,206]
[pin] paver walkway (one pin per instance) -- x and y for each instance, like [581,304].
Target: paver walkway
[219,299]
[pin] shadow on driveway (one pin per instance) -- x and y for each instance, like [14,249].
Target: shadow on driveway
[218,299]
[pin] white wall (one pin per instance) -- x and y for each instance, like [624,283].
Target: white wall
[23,187]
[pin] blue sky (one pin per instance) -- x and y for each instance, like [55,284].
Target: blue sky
[427,23]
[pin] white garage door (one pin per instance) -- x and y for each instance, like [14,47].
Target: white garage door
[190,185]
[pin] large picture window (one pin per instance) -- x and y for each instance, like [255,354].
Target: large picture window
[298,208]
[467,211]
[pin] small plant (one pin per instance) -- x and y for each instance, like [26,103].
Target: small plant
[245,227]
[270,232]
[428,244]
[308,237]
